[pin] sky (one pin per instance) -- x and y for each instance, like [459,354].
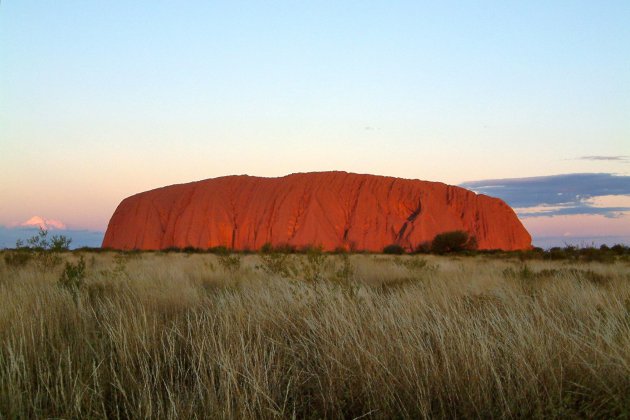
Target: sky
[101,100]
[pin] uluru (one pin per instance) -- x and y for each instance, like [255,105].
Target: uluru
[329,209]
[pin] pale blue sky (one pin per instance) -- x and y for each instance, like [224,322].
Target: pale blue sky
[100,100]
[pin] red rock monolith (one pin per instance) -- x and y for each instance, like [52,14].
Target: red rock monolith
[331,209]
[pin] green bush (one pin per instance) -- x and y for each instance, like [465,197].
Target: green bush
[313,266]
[286,249]
[394,249]
[18,257]
[44,251]
[218,250]
[345,273]
[340,250]
[59,243]
[603,255]
[266,248]
[423,248]
[413,263]
[73,275]
[230,263]
[192,250]
[453,241]
[276,263]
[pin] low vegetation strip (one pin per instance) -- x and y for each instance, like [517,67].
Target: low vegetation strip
[312,335]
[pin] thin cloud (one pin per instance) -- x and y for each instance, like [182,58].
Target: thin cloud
[556,195]
[621,158]
[610,212]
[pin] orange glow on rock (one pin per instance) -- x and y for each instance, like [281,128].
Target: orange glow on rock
[331,209]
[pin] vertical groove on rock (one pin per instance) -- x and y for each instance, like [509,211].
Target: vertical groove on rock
[410,219]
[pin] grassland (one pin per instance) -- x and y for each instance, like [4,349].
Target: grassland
[157,335]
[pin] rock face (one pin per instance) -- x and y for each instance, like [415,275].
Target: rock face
[331,209]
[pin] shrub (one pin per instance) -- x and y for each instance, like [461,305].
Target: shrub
[44,251]
[59,243]
[171,249]
[73,276]
[285,248]
[394,249]
[266,248]
[91,250]
[414,264]
[423,248]
[230,263]
[340,250]
[191,250]
[345,273]
[314,264]
[275,263]
[453,241]
[18,257]
[597,254]
[620,249]
[557,253]
[218,250]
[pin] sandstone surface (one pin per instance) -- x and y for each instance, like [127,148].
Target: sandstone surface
[331,209]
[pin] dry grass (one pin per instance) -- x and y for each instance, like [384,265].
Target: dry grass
[178,336]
